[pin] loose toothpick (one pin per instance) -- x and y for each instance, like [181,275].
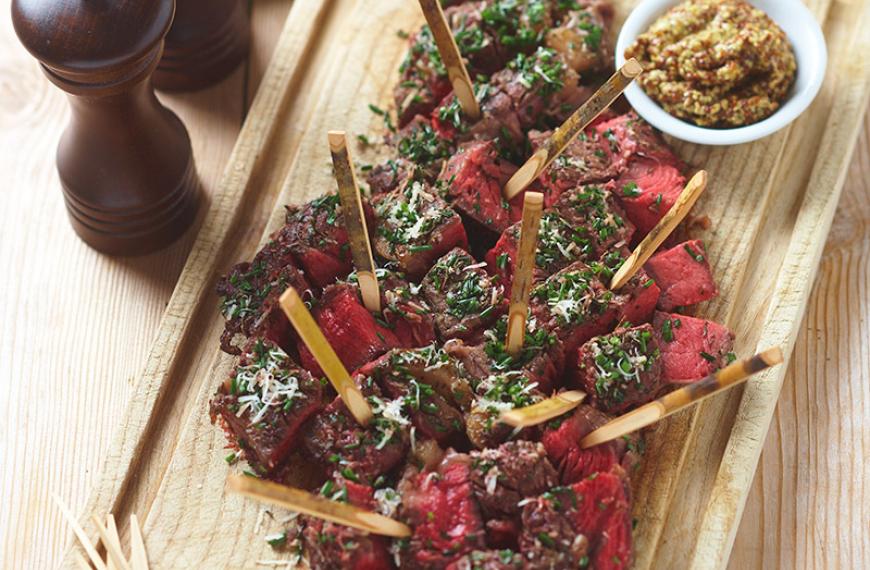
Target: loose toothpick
[355,221]
[543,410]
[573,126]
[112,544]
[678,399]
[317,506]
[138,556]
[463,88]
[662,230]
[329,362]
[533,204]
[89,548]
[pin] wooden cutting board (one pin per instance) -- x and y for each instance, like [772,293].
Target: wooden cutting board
[771,203]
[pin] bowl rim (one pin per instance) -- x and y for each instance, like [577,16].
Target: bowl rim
[648,10]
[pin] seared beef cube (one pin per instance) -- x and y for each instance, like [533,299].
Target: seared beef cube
[549,539]
[463,296]
[569,527]
[620,370]
[423,148]
[582,38]
[534,88]
[424,79]
[638,299]
[440,507]
[653,179]
[404,310]
[504,559]
[474,179]
[335,546]
[541,358]
[389,175]
[360,454]
[414,228]
[562,437]
[495,394]
[265,402]
[593,210]
[691,348]
[431,413]
[249,298]
[504,476]
[559,245]
[684,275]
[575,305]
[316,235]
[350,329]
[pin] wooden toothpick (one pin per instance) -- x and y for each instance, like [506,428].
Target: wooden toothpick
[573,126]
[678,399]
[86,543]
[138,556]
[543,410]
[325,356]
[317,506]
[661,231]
[463,88]
[533,204]
[355,221]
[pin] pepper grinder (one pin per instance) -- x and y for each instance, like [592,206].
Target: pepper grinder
[207,41]
[125,161]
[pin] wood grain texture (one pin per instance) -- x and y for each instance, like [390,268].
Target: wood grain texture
[78,343]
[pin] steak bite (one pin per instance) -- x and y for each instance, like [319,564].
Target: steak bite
[440,507]
[562,437]
[424,79]
[691,348]
[638,299]
[620,370]
[560,243]
[504,476]
[684,275]
[249,298]
[414,228]
[264,403]
[403,309]
[474,178]
[541,359]
[331,545]
[594,211]
[495,394]
[569,527]
[350,329]
[575,305]
[435,367]
[582,38]
[463,295]
[432,415]
[316,235]
[360,454]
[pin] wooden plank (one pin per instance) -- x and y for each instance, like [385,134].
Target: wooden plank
[181,474]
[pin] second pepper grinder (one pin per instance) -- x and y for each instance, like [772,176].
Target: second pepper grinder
[125,161]
[207,41]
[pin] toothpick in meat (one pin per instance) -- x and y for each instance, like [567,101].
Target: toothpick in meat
[533,205]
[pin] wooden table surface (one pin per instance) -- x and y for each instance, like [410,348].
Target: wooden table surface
[75,328]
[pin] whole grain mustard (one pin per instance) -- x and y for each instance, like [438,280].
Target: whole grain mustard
[716,63]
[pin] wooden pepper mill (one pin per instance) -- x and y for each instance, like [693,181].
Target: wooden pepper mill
[207,41]
[125,161]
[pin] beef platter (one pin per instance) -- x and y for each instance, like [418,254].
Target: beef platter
[432,364]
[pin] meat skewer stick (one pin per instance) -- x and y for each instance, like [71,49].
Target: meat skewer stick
[533,205]
[317,506]
[572,127]
[456,71]
[662,230]
[329,362]
[544,410]
[354,220]
[652,412]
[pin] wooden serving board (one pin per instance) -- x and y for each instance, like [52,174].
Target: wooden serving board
[771,203]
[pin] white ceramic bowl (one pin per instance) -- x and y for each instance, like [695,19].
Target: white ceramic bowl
[811,54]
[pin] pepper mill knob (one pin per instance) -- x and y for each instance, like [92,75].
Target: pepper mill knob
[207,41]
[125,161]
